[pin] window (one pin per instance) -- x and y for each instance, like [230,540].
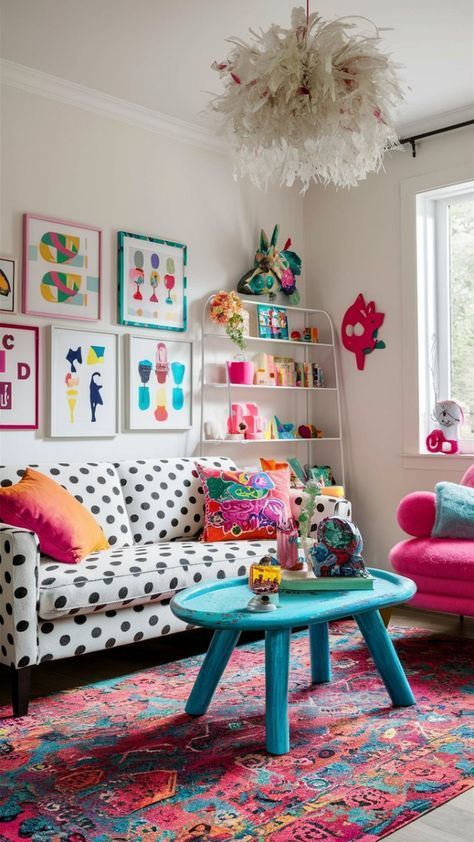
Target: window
[445,276]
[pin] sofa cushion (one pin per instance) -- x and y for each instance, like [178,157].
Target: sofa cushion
[164,497]
[437,558]
[95,484]
[140,574]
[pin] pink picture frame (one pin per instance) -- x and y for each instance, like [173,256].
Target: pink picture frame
[19,366]
[62,269]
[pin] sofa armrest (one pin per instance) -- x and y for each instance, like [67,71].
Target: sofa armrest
[416,513]
[19,567]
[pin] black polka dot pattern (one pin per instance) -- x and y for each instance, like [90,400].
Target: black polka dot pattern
[95,485]
[50,610]
[164,498]
[19,564]
[136,575]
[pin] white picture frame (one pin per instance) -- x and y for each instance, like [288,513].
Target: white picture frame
[83,383]
[61,269]
[19,366]
[7,285]
[159,383]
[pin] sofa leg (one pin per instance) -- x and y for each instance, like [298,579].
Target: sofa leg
[21,684]
[461,618]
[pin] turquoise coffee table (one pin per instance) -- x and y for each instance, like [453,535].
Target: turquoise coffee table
[222,606]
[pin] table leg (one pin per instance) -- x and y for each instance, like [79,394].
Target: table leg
[319,649]
[386,659]
[214,664]
[277,654]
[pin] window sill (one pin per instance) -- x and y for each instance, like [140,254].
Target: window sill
[433,461]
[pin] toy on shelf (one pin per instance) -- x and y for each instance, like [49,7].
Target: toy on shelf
[295,336]
[310,334]
[445,438]
[245,422]
[359,329]
[274,270]
[309,431]
[264,582]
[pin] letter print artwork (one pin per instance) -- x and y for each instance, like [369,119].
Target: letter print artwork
[83,383]
[61,269]
[18,377]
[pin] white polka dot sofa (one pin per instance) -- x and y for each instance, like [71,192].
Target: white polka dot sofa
[151,512]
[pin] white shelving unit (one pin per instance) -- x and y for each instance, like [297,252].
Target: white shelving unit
[217,347]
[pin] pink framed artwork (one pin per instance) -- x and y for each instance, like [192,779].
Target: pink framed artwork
[61,268]
[18,377]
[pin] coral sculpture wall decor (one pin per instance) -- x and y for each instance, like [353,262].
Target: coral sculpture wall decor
[273,270]
[359,329]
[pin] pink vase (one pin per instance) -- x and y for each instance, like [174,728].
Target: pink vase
[241,372]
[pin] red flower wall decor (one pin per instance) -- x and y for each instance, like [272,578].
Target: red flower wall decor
[359,329]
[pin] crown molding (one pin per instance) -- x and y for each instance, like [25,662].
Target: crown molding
[62,90]
[437,121]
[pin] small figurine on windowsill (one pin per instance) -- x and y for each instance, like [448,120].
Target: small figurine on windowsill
[445,439]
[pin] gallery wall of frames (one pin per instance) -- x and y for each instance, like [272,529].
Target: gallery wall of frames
[89,369]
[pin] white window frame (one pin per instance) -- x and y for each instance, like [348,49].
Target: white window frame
[422,214]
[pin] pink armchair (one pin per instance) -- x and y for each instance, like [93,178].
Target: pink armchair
[442,568]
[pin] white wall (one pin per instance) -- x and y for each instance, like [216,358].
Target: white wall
[353,244]
[64,162]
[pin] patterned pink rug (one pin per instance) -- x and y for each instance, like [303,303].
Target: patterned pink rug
[120,760]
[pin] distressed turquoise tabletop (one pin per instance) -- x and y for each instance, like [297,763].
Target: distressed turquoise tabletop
[223,605]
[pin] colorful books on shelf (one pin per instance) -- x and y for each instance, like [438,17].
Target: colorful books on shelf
[285,371]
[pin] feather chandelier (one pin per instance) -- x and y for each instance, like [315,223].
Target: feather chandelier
[314,102]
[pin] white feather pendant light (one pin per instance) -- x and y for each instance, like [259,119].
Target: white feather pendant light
[312,102]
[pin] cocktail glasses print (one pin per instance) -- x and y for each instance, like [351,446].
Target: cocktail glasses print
[144,371]
[162,368]
[169,279]
[178,371]
[136,274]
[154,277]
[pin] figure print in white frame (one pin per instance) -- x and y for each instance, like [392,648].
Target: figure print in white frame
[83,383]
[160,384]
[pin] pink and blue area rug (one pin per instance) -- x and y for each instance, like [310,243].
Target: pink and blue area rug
[120,760]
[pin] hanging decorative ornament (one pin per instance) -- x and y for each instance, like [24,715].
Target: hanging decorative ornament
[313,102]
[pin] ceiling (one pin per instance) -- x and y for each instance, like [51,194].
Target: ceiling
[157,53]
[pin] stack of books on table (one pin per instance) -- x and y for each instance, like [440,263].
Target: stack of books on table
[307,582]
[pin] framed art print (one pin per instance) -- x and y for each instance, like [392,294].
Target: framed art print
[7,285]
[151,282]
[84,384]
[272,322]
[159,384]
[18,377]
[61,269]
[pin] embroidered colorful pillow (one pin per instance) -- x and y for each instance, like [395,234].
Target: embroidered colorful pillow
[66,530]
[245,505]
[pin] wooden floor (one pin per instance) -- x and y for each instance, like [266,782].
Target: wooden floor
[453,822]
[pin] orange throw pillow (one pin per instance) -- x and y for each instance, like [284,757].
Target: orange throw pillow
[66,530]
